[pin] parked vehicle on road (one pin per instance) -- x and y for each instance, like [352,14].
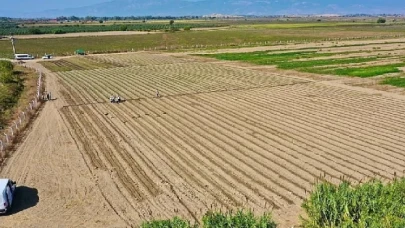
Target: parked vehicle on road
[47,57]
[7,190]
[23,56]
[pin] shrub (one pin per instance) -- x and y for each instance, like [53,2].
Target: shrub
[381,20]
[371,204]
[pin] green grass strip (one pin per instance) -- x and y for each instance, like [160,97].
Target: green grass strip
[396,81]
[266,58]
[322,62]
[362,72]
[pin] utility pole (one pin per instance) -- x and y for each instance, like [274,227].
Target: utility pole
[12,43]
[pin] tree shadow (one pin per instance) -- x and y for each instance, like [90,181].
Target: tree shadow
[24,198]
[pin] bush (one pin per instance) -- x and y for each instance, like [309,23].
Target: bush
[381,20]
[187,28]
[371,204]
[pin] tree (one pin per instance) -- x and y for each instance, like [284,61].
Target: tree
[171,22]
[100,21]
[73,18]
[35,31]
[123,28]
[381,20]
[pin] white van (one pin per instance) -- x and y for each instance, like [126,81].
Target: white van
[23,56]
[7,190]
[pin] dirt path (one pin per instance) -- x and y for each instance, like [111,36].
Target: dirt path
[55,184]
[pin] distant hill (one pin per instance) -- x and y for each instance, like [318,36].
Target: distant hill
[228,7]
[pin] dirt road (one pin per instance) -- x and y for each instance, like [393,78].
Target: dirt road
[56,188]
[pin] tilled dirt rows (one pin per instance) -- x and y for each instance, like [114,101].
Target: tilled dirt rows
[55,187]
[218,138]
[170,79]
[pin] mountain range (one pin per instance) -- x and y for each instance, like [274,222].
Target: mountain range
[207,7]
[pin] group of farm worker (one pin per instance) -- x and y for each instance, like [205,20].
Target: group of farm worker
[46,96]
[116,99]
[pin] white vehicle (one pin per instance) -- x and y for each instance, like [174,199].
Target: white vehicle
[47,57]
[23,56]
[7,190]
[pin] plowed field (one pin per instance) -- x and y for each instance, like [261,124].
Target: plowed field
[219,137]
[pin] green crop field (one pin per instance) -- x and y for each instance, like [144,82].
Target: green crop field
[325,63]
[240,34]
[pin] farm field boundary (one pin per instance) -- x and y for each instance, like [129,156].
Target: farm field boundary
[12,133]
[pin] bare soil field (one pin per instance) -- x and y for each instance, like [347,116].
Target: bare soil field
[218,137]
[343,45]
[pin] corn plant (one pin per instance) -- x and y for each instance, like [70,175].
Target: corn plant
[241,219]
[371,204]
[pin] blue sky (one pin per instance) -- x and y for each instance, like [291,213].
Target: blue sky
[55,8]
[41,5]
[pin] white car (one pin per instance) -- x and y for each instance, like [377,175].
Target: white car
[7,190]
[47,57]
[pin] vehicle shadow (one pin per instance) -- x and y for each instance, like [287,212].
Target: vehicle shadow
[24,198]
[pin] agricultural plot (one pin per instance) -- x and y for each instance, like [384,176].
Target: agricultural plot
[221,137]
[77,63]
[354,62]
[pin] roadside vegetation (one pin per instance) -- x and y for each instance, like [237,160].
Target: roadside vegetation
[12,84]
